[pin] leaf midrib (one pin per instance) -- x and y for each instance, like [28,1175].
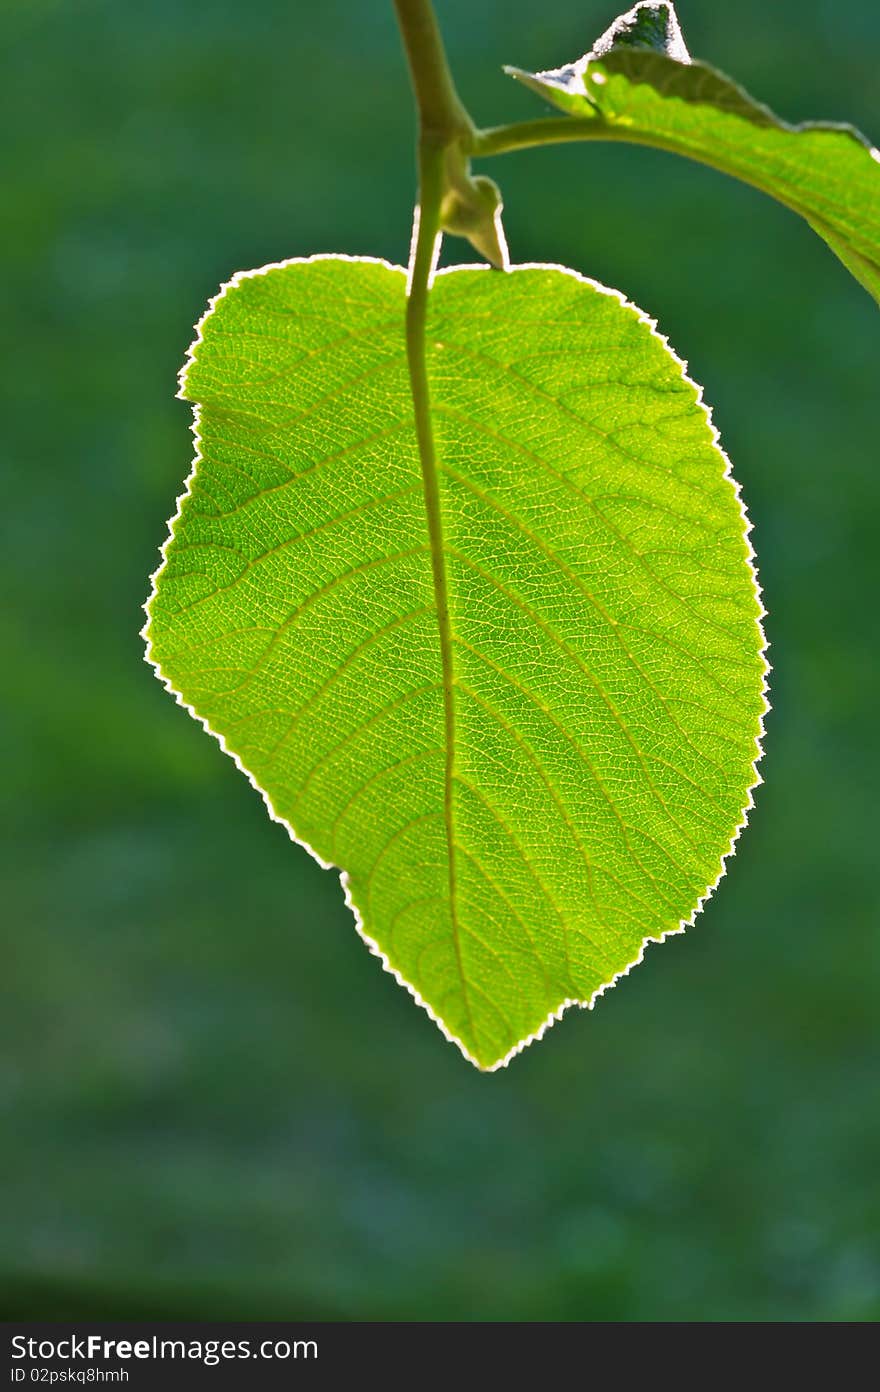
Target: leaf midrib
[421,397]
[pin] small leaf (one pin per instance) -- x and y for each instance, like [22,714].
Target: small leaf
[639,83]
[512,852]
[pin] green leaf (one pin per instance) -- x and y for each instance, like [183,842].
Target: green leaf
[606,685]
[639,83]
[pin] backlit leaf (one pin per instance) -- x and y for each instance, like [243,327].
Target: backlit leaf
[606,686]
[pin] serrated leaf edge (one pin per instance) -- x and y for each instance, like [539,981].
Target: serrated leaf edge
[685,923]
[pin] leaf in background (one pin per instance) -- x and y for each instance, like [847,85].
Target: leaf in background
[639,83]
[607,677]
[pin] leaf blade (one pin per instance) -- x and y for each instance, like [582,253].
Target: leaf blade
[295,613]
[654,93]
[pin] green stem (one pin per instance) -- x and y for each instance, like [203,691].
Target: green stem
[548,130]
[442,115]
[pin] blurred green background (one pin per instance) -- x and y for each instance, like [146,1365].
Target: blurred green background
[216,1104]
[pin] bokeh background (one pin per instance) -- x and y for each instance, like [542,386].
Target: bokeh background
[215,1102]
